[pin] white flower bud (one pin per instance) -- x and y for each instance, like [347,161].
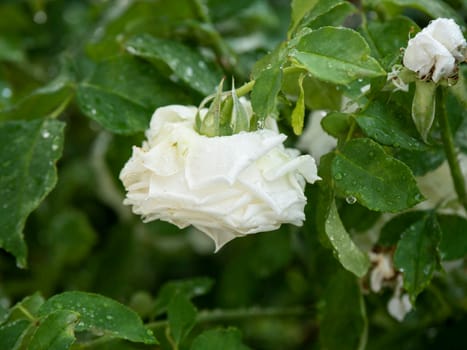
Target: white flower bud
[225,186]
[436,50]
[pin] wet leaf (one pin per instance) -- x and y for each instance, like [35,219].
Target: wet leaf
[265,91]
[100,314]
[417,254]
[55,331]
[10,333]
[124,105]
[28,156]
[348,254]
[336,55]
[298,113]
[363,169]
[185,63]
[454,237]
[191,288]
[181,314]
[384,125]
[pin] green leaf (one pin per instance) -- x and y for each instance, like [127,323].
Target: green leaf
[343,323]
[392,230]
[336,124]
[384,125]
[298,113]
[299,10]
[186,64]
[348,254]
[191,288]
[434,8]
[421,162]
[10,333]
[28,156]
[454,241]
[221,338]
[55,331]
[100,314]
[423,107]
[328,13]
[417,254]
[26,308]
[181,314]
[362,169]
[124,105]
[46,101]
[265,91]
[336,55]
[395,32]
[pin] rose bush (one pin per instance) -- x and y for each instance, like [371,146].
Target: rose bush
[225,186]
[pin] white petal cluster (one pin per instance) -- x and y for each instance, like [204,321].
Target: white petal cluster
[384,275]
[383,270]
[399,305]
[225,186]
[436,50]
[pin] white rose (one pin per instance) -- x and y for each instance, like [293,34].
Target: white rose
[314,139]
[434,52]
[226,187]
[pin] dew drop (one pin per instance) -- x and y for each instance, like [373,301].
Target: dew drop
[201,64]
[93,111]
[338,176]
[6,92]
[189,72]
[54,147]
[45,134]
[40,17]
[350,199]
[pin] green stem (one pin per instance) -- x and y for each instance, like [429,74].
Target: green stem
[245,88]
[61,108]
[224,54]
[210,316]
[26,313]
[449,147]
[351,131]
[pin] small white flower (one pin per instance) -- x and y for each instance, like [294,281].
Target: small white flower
[399,305]
[314,139]
[383,270]
[436,50]
[394,76]
[225,186]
